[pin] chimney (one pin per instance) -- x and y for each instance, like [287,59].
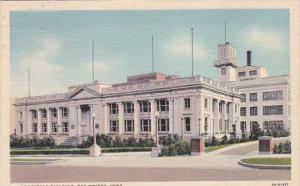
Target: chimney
[249,58]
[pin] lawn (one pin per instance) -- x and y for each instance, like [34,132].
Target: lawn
[268,161]
[217,147]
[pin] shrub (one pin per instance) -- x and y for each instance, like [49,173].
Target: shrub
[214,141]
[282,148]
[17,142]
[224,139]
[168,139]
[179,148]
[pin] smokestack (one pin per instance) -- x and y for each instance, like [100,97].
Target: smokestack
[249,58]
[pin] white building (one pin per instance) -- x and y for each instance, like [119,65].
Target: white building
[264,98]
[148,103]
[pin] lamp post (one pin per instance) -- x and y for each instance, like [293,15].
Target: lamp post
[156,150]
[181,128]
[95,150]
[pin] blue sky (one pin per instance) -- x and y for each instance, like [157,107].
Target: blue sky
[57,45]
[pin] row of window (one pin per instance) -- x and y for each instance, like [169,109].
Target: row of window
[272,95]
[267,125]
[251,73]
[53,112]
[267,110]
[54,127]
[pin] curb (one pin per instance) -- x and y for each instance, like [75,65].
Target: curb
[259,166]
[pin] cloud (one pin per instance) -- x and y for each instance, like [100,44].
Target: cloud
[267,39]
[42,70]
[181,47]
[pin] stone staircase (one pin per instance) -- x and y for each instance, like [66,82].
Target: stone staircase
[69,140]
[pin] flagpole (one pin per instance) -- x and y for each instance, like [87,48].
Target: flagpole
[93,70]
[192,30]
[152,54]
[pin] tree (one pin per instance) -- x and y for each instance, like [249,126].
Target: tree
[255,131]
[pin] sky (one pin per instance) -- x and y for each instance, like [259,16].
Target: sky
[58,44]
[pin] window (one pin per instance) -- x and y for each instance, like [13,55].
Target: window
[163,125]
[21,127]
[220,125]
[273,110]
[253,72]
[243,97]
[253,96]
[187,103]
[54,127]
[235,108]
[145,125]
[128,107]
[243,111]
[53,112]
[34,114]
[114,125]
[226,125]
[113,108]
[273,125]
[145,106]
[64,112]
[206,103]
[273,95]
[223,71]
[242,74]
[34,128]
[129,125]
[20,114]
[227,108]
[243,126]
[220,107]
[44,113]
[253,123]
[205,124]
[187,124]
[162,105]
[73,126]
[44,127]
[253,111]
[65,127]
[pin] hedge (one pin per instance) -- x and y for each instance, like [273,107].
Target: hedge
[78,151]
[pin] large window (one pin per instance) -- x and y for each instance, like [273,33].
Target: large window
[242,74]
[129,125]
[273,125]
[145,125]
[44,127]
[64,112]
[187,124]
[163,125]
[253,111]
[220,125]
[54,127]
[65,127]
[206,103]
[187,103]
[253,123]
[223,71]
[253,96]
[273,110]
[34,128]
[206,124]
[34,114]
[44,113]
[128,107]
[243,111]
[243,126]
[113,108]
[243,97]
[273,95]
[162,105]
[253,72]
[114,125]
[20,115]
[21,127]
[53,112]
[145,106]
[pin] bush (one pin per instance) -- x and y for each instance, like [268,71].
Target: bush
[214,141]
[282,148]
[168,139]
[224,140]
[17,142]
[179,148]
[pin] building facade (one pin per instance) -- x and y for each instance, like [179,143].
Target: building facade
[159,104]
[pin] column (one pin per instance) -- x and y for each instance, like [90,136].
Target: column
[48,121]
[201,115]
[153,121]
[136,117]
[121,118]
[58,115]
[211,118]
[90,126]
[79,132]
[230,116]
[224,118]
[106,119]
[28,125]
[171,115]
[39,117]
[217,116]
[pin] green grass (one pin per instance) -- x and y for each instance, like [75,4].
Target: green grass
[268,161]
[217,147]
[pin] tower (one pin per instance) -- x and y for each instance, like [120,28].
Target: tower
[226,63]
